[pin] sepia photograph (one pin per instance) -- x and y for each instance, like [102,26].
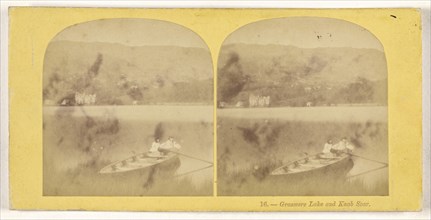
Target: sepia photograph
[127,110]
[254,110]
[302,110]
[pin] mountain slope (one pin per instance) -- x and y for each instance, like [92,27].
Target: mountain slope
[295,76]
[153,70]
[273,62]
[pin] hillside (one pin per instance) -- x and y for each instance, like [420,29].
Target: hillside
[121,74]
[294,76]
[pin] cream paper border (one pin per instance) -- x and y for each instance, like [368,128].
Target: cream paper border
[31,29]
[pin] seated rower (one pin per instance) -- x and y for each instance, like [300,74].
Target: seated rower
[155,146]
[343,147]
[327,148]
[169,145]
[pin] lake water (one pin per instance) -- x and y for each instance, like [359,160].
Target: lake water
[75,135]
[330,114]
[260,136]
[139,112]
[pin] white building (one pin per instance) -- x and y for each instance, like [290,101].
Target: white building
[259,101]
[85,99]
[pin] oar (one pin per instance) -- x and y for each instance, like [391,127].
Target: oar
[195,158]
[368,171]
[192,157]
[362,157]
[193,171]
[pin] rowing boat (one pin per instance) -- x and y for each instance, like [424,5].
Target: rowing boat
[318,165]
[141,161]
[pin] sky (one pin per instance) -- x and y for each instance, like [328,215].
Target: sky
[132,32]
[305,32]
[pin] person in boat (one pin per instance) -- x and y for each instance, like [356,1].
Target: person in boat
[155,146]
[327,148]
[343,147]
[168,146]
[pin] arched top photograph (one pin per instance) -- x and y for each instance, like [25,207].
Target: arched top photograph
[302,61]
[301,97]
[127,109]
[126,61]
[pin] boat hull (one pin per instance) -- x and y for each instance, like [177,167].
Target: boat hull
[143,165]
[332,171]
